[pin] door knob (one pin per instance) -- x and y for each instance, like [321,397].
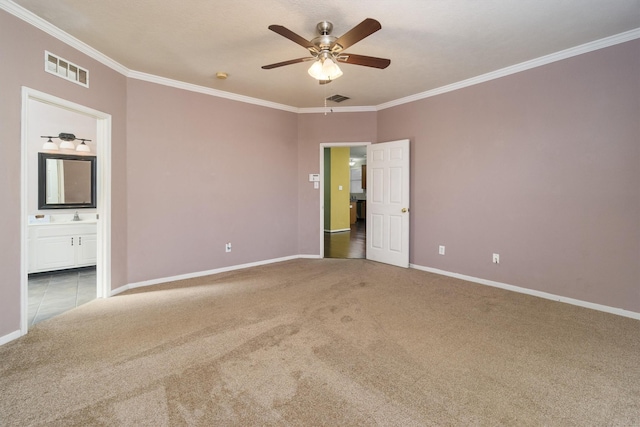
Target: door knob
[404,210]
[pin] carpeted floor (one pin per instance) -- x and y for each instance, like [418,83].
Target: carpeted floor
[324,342]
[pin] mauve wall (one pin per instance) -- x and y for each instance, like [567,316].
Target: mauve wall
[204,171]
[22,57]
[542,167]
[314,129]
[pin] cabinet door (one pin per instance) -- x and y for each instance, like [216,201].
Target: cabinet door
[363,210]
[364,177]
[87,250]
[54,253]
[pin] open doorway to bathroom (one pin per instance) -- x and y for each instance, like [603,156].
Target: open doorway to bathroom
[344,201]
[65,249]
[62,251]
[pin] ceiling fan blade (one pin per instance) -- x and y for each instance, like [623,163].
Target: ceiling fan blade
[289,62]
[285,32]
[357,33]
[367,61]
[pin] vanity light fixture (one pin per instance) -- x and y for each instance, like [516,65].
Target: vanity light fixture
[67,143]
[352,162]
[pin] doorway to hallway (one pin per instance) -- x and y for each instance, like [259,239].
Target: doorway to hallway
[343,200]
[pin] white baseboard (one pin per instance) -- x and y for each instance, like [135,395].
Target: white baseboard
[613,310]
[540,294]
[10,337]
[203,273]
[340,230]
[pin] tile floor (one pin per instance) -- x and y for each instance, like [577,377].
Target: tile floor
[55,292]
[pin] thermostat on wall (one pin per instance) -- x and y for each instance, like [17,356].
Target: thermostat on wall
[314,177]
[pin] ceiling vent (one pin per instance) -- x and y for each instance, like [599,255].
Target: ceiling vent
[337,98]
[67,70]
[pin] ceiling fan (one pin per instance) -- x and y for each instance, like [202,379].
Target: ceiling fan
[327,50]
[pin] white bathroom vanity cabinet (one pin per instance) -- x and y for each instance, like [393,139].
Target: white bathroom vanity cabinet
[57,246]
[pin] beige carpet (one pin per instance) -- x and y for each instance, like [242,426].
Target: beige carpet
[324,342]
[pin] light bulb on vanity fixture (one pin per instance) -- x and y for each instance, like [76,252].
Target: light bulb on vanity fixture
[82,146]
[67,145]
[50,145]
[67,141]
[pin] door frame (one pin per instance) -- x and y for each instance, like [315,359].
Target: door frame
[103,153]
[324,145]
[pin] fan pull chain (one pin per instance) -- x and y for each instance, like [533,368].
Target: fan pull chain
[325,98]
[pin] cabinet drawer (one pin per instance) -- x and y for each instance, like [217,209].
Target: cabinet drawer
[61,230]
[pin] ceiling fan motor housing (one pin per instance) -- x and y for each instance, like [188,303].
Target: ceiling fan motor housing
[325,40]
[324,28]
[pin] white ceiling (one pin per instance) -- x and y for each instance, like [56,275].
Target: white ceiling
[431,43]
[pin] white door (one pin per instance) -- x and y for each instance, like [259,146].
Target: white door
[388,202]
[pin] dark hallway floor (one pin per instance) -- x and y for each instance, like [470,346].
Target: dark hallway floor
[347,244]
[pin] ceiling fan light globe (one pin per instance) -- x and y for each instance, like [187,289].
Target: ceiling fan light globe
[315,70]
[330,69]
[325,70]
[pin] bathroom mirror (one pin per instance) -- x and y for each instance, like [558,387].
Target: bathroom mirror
[66,181]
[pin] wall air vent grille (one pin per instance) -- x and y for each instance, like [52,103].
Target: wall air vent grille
[67,70]
[337,98]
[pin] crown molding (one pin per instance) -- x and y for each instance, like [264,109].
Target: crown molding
[208,91]
[41,24]
[29,17]
[329,110]
[523,66]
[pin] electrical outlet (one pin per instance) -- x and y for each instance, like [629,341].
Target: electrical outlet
[441,250]
[496,258]
[227,247]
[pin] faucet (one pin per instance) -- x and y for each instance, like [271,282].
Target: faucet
[76,217]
